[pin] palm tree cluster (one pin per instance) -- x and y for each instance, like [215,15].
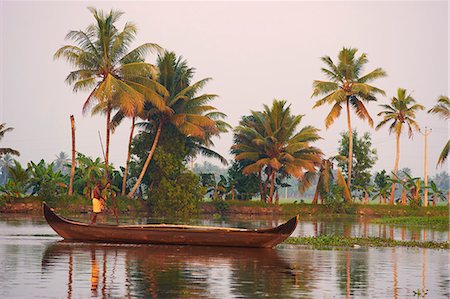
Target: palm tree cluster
[347,86]
[122,84]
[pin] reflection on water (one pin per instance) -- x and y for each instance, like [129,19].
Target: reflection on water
[34,263]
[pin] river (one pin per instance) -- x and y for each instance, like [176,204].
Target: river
[35,263]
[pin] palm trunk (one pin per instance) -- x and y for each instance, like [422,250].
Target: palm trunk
[350,146]
[262,192]
[108,132]
[125,173]
[265,185]
[397,157]
[403,196]
[147,162]
[272,186]
[316,193]
[72,168]
[381,199]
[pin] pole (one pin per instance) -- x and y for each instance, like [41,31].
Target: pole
[72,167]
[425,167]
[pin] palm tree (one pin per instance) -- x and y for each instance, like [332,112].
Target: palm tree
[347,86]
[323,174]
[272,142]
[183,108]
[401,111]
[442,109]
[117,78]
[61,161]
[4,151]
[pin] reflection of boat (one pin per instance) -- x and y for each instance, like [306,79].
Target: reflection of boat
[169,234]
[166,271]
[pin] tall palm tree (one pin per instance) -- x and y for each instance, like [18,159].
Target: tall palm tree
[276,145]
[117,77]
[401,112]
[6,150]
[442,109]
[347,86]
[183,108]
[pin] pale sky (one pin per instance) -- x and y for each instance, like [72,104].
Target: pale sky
[254,51]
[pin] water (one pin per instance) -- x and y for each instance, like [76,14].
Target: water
[35,263]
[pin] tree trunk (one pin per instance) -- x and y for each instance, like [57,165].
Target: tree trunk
[262,192]
[350,146]
[366,197]
[381,199]
[265,185]
[147,162]
[108,132]
[403,196]
[272,186]
[72,168]
[125,173]
[316,193]
[277,198]
[397,157]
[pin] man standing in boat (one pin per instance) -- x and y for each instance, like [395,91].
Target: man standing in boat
[98,201]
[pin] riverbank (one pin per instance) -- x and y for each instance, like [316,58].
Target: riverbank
[79,204]
[330,241]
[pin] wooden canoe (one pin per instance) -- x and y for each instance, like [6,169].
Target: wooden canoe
[169,234]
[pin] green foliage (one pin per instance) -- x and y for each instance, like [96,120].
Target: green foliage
[335,201]
[328,241]
[177,197]
[18,182]
[364,158]
[171,189]
[44,181]
[247,186]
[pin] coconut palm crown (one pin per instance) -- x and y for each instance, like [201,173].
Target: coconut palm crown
[442,109]
[183,108]
[347,86]
[115,76]
[269,140]
[6,150]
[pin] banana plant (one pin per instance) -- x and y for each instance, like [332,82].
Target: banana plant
[44,178]
[435,193]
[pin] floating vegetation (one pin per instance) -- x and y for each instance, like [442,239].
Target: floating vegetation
[328,241]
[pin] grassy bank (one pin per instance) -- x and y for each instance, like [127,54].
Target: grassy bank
[80,204]
[329,241]
[436,222]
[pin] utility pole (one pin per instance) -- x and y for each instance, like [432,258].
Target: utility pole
[425,167]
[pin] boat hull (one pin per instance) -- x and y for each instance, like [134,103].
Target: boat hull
[169,234]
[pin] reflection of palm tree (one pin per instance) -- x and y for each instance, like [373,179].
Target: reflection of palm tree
[442,109]
[401,112]
[347,87]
